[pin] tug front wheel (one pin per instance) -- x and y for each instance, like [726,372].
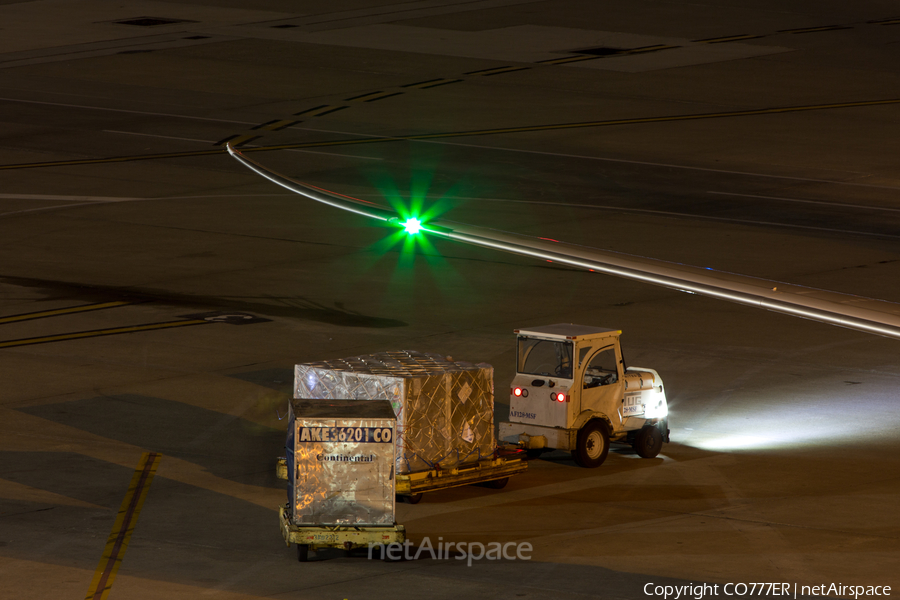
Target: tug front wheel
[648,442]
[591,444]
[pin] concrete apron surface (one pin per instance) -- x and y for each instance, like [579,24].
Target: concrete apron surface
[155,295]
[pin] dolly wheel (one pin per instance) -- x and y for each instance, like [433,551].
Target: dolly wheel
[497,484]
[415,498]
[302,552]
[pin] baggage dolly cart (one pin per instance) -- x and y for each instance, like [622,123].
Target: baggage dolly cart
[341,484]
[493,473]
[335,536]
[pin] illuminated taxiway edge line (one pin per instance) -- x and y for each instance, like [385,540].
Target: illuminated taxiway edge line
[652,271]
[832,317]
[324,196]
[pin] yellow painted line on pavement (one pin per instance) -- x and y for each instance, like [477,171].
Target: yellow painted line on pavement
[472,133]
[815,29]
[730,38]
[502,71]
[584,124]
[424,85]
[651,49]
[319,111]
[497,70]
[274,125]
[78,335]
[62,311]
[363,96]
[278,126]
[444,82]
[118,539]
[619,53]
[372,96]
[237,140]
[264,125]
[568,59]
[383,96]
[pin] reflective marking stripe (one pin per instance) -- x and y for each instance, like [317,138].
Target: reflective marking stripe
[123,527]
[62,311]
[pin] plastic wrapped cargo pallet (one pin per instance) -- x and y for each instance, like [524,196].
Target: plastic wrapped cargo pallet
[341,462]
[445,409]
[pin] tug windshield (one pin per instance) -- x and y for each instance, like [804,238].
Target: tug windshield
[550,358]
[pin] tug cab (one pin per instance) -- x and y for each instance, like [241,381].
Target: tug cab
[572,391]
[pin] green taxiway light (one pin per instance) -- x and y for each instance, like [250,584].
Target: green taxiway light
[412,226]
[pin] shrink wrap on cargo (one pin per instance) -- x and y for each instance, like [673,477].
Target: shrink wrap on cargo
[444,408]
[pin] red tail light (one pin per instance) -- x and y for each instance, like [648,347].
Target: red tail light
[559,396]
[517,391]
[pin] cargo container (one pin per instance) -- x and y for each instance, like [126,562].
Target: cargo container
[340,472]
[445,416]
[444,408]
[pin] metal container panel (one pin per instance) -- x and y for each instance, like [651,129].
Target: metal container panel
[444,408]
[341,465]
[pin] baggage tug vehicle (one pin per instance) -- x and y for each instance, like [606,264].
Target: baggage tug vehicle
[572,391]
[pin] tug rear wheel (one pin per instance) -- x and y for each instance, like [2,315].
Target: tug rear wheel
[591,445]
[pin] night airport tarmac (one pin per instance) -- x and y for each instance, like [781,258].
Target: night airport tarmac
[155,294]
